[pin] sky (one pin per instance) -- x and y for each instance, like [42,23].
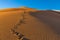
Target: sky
[37,4]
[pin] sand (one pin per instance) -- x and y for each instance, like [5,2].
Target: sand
[33,29]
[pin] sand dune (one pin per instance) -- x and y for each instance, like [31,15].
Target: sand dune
[38,25]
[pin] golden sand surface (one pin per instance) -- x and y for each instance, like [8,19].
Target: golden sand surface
[33,29]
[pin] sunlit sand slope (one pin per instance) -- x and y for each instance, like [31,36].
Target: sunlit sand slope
[33,29]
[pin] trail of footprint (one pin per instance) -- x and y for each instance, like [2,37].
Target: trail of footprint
[19,35]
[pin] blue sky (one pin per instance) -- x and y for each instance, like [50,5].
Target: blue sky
[38,4]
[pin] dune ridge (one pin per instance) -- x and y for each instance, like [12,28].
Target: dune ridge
[35,27]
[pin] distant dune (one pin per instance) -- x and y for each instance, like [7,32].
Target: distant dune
[16,9]
[37,24]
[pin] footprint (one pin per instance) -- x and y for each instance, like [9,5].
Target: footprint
[25,39]
[20,36]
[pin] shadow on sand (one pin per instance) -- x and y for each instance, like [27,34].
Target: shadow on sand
[50,18]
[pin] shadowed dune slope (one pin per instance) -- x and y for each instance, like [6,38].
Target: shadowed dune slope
[35,27]
[51,18]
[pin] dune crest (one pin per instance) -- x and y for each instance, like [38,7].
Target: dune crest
[37,24]
[17,9]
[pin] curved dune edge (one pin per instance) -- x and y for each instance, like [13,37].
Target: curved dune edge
[17,9]
[33,29]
